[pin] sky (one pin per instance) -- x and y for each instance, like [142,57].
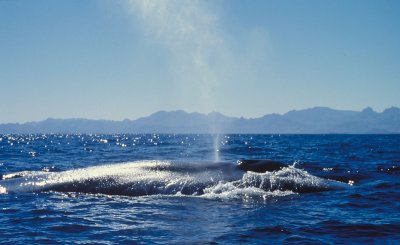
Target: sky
[114,59]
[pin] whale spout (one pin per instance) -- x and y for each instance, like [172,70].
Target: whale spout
[260,166]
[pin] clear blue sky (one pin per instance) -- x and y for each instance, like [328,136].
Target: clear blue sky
[127,59]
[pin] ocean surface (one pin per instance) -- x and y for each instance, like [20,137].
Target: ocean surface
[187,189]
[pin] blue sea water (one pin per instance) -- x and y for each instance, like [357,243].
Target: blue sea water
[142,189]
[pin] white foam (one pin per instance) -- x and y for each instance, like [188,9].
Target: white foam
[230,190]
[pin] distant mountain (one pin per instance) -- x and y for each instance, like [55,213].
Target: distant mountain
[317,120]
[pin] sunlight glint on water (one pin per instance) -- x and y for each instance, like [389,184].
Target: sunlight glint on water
[227,213]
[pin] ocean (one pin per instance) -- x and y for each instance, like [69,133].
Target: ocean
[188,189]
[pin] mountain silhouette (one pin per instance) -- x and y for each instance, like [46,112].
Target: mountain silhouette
[317,120]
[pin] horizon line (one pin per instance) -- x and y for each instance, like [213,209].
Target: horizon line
[193,112]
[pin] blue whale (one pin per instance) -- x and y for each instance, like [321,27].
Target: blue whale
[141,178]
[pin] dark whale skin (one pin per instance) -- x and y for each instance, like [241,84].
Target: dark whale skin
[260,166]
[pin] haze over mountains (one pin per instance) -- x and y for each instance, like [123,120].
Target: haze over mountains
[317,120]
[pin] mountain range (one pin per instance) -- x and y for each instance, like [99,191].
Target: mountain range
[317,120]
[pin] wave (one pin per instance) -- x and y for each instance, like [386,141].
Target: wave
[141,178]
